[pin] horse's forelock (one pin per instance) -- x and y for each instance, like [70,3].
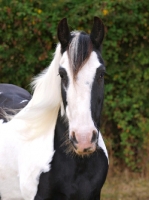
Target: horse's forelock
[79,51]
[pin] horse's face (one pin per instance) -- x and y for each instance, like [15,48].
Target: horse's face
[82,84]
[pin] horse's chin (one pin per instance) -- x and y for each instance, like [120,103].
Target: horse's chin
[83,154]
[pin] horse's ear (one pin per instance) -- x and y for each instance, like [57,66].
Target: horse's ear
[63,33]
[97,33]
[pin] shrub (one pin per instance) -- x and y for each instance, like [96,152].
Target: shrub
[28,38]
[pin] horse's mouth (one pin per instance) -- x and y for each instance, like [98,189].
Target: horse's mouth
[85,152]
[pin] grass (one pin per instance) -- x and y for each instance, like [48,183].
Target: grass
[125,187]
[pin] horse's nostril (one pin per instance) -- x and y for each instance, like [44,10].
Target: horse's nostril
[94,137]
[73,138]
[74,145]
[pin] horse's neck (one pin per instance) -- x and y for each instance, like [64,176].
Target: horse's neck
[60,133]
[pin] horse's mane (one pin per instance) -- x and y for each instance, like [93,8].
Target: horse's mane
[79,50]
[40,115]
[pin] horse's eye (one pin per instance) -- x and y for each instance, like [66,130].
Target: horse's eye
[101,75]
[63,75]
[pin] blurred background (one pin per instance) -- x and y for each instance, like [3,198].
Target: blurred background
[27,41]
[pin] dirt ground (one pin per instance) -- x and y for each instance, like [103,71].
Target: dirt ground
[125,187]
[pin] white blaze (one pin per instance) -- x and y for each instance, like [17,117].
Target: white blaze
[78,108]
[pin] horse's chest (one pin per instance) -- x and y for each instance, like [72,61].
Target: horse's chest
[72,182]
[69,180]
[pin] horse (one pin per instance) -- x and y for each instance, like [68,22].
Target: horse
[12,97]
[53,149]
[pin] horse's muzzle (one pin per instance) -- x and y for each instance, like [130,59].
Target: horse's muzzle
[84,144]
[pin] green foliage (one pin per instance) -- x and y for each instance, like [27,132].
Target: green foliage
[28,39]
[126,52]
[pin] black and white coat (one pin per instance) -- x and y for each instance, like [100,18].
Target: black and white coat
[65,108]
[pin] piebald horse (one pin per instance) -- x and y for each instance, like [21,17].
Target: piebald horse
[53,149]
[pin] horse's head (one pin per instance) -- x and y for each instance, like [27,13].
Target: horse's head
[82,83]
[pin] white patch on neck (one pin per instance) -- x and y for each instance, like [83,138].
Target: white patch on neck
[26,142]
